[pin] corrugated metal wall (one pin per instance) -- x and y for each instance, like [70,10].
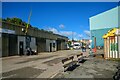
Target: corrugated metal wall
[41,44]
[5,45]
[13,45]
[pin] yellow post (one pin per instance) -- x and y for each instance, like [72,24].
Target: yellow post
[105,50]
[108,47]
[28,22]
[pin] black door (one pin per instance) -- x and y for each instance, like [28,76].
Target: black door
[21,48]
[58,45]
[50,47]
[12,45]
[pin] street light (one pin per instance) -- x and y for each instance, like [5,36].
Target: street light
[23,30]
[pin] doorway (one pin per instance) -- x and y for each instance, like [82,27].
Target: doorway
[50,47]
[58,45]
[12,45]
[20,48]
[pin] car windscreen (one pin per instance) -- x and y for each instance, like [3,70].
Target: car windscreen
[76,44]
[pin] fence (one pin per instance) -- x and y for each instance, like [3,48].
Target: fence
[111,44]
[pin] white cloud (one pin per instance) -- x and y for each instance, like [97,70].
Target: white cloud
[87,32]
[68,33]
[61,26]
[53,30]
[75,39]
[80,35]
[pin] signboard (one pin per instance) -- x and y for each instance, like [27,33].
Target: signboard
[7,31]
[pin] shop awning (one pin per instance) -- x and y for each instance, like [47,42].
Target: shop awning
[110,33]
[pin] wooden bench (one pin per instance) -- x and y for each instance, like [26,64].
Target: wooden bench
[68,62]
[80,57]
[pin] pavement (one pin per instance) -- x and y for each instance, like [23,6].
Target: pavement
[48,65]
[92,67]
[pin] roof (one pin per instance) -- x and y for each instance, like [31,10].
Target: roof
[110,33]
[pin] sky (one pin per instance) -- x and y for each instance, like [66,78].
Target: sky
[70,19]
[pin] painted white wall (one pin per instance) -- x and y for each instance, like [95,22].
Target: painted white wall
[33,44]
[107,19]
[48,45]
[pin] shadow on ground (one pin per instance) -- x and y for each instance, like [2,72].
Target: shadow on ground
[75,66]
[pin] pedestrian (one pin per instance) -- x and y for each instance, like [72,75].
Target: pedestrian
[85,48]
[82,48]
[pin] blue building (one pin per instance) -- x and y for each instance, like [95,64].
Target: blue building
[101,23]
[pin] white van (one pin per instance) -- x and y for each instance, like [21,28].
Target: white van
[76,45]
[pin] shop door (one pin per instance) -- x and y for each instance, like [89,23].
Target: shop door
[21,48]
[50,47]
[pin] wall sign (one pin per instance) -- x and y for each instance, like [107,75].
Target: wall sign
[7,31]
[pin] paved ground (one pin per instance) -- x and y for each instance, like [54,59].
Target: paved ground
[92,68]
[35,66]
[48,65]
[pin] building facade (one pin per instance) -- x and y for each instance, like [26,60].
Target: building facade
[14,41]
[101,23]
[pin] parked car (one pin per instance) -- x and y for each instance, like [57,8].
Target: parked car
[76,46]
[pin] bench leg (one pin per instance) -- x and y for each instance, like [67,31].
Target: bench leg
[64,70]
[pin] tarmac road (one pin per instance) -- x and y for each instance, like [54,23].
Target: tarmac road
[34,66]
[48,65]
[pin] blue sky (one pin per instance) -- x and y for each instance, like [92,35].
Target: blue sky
[65,18]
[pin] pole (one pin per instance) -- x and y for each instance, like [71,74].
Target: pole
[105,48]
[95,44]
[116,46]
[72,36]
[108,47]
[28,22]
